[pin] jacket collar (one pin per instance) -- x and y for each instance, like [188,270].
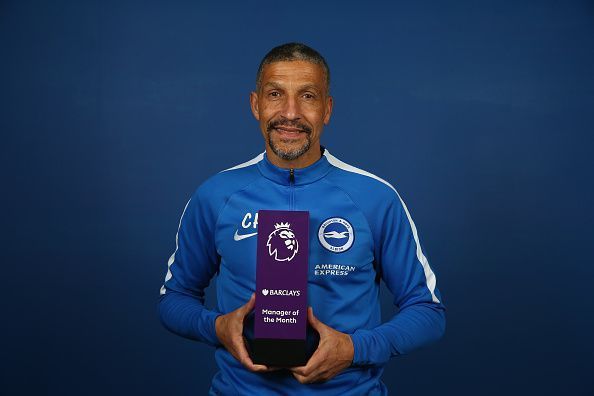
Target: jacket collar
[302,176]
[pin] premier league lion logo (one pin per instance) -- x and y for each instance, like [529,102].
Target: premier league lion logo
[282,243]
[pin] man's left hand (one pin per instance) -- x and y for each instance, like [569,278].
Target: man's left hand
[335,353]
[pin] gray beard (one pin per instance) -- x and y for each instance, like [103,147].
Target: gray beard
[292,154]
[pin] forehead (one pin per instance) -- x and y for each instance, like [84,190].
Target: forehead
[294,72]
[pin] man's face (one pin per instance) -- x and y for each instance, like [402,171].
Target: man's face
[292,106]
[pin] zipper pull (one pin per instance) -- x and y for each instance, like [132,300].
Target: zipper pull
[292,176]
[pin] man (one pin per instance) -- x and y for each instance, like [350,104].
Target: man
[373,237]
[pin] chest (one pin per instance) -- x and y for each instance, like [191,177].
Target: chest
[340,240]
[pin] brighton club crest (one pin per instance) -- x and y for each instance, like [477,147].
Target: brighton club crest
[282,244]
[336,234]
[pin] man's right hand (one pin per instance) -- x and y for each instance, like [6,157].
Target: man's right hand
[229,329]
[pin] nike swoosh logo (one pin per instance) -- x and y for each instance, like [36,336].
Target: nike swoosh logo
[238,237]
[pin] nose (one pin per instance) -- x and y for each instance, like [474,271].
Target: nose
[290,108]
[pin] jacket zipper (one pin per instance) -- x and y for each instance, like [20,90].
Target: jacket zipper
[291,189]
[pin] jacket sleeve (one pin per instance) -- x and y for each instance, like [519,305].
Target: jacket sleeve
[189,271]
[407,274]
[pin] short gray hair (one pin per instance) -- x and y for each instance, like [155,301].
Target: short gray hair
[293,52]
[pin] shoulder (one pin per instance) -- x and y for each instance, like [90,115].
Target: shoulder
[363,186]
[218,187]
[378,199]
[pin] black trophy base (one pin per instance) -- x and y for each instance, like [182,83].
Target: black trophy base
[279,352]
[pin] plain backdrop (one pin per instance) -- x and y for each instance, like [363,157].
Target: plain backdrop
[479,112]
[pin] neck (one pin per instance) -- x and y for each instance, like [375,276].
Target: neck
[308,158]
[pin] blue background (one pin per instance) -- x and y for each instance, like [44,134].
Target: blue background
[479,112]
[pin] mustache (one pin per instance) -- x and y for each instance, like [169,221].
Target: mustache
[287,123]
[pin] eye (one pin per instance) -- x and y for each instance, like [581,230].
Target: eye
[308,95]
[274,94]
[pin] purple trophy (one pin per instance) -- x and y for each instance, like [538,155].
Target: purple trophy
[281,288]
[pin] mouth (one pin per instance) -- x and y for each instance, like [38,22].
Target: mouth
[288,132]
[290,128]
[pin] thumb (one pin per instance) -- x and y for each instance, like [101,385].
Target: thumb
[248,306]
[315,322]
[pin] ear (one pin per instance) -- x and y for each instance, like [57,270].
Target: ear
[329,105]
[254,105]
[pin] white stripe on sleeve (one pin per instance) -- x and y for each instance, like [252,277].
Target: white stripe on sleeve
[172,258]
[429,275]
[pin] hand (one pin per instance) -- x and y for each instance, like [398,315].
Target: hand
[229,329]
[334,353]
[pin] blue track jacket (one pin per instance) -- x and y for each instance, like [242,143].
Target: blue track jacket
[360,231]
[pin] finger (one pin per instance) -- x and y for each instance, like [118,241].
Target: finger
[312,365]
[247,362]
[257,368]
[244,357]
[302,379]
[308,379]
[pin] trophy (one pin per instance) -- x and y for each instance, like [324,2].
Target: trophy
[281,335]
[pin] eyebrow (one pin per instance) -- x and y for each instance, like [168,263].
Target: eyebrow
[273,84]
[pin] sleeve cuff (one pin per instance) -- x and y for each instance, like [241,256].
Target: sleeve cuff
[369,348]
[359,347]
[210,318]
